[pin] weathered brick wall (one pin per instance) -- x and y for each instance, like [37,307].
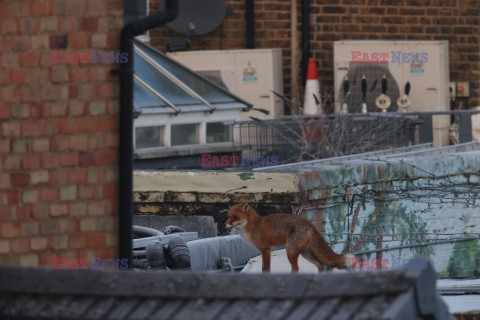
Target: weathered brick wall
[58,128]
[454,20]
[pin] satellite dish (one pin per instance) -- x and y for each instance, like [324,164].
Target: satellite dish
[198,17]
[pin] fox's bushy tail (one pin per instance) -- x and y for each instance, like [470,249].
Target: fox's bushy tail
[328,257]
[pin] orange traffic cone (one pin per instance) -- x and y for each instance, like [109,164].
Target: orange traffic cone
[312,103]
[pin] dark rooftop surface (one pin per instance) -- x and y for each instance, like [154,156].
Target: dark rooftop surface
[40,293]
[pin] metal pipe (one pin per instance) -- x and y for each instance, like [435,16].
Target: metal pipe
[305,37]
[125,150]
[352,156]
[157,94]
[381,114]
[415,245]
[250,24]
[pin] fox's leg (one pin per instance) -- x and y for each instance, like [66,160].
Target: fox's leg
[308,255]
[266,259]
[292,255]
[295,244]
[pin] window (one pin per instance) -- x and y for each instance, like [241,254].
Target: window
[218,132]
[149,137]
[183,134]
[164,86]
[158,80]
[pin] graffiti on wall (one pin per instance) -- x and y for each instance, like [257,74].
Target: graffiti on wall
[397,216]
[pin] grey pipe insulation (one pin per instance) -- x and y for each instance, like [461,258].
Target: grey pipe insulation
[155,255]
[142,232]
[175,255]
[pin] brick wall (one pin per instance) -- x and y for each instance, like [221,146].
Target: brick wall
[58,128]
[454,20]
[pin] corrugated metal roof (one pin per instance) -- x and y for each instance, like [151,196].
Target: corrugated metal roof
[39,293]
[413,151]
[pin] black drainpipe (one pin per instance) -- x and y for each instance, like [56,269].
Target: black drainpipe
[250,23]
[305,37]
[125,201]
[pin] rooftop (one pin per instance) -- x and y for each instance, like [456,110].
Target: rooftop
[33,293]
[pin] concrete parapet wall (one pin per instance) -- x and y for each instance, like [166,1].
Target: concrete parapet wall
[424,206]
[208,193]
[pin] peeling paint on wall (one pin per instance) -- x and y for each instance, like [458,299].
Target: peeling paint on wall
[246,176]
[408,211]
[464,261]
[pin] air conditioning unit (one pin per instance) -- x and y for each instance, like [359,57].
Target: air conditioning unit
[253,75]
[424,64]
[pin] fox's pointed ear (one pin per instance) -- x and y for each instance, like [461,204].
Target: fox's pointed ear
[245,207]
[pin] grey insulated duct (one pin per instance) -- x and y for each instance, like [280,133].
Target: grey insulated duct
[178,255]
[155,255]
[142,232]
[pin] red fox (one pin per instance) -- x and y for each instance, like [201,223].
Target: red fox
[297,234]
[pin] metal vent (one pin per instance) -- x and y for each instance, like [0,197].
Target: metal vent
[372,72]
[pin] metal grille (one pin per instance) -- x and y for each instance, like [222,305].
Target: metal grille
[374,73]
[308,138]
